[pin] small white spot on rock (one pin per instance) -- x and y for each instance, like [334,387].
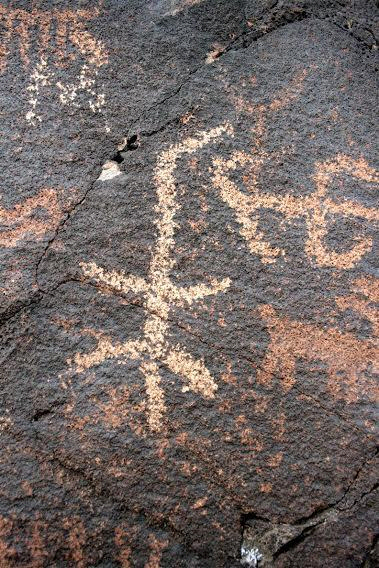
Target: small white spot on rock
[110,170]
[250,557]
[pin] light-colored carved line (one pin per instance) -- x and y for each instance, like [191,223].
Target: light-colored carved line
[156,404]
[117,280]
[193,293]
[316,221]
[315,208]
[194,371]
[106,349]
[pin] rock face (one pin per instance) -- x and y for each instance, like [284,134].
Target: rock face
[189,284]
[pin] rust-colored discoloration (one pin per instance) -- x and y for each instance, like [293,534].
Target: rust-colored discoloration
[347,358]
[76,541]
[22,222]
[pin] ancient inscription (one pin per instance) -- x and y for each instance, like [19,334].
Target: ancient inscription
[62,38]
[160,294]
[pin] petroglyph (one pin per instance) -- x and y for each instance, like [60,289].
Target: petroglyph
[70,27]
[314,208]
[160,294]
[22,221]
[364,301]
[346,357]
[62,38]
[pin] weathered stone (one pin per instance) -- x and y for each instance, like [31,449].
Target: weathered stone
[194,247]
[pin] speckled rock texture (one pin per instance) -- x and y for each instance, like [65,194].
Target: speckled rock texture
[189,284]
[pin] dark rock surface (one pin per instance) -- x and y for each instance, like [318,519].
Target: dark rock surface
[189,320]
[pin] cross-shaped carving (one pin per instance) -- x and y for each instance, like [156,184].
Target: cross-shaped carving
[160,295]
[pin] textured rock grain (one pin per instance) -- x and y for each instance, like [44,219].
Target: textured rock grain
[189,315]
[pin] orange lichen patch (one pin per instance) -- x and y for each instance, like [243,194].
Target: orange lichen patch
[160,295]
[346,357]
[21,222]
[76,541]
[314,208]
[69,27]
[363,301]
[157,547]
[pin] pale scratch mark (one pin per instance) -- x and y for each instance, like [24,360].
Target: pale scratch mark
[109,170]
[40,77]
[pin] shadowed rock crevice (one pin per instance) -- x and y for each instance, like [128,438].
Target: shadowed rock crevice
[270,539]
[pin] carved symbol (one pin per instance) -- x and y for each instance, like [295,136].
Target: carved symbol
[160,295]
[71,38]
[314,208]
[22,221]
[346,357]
